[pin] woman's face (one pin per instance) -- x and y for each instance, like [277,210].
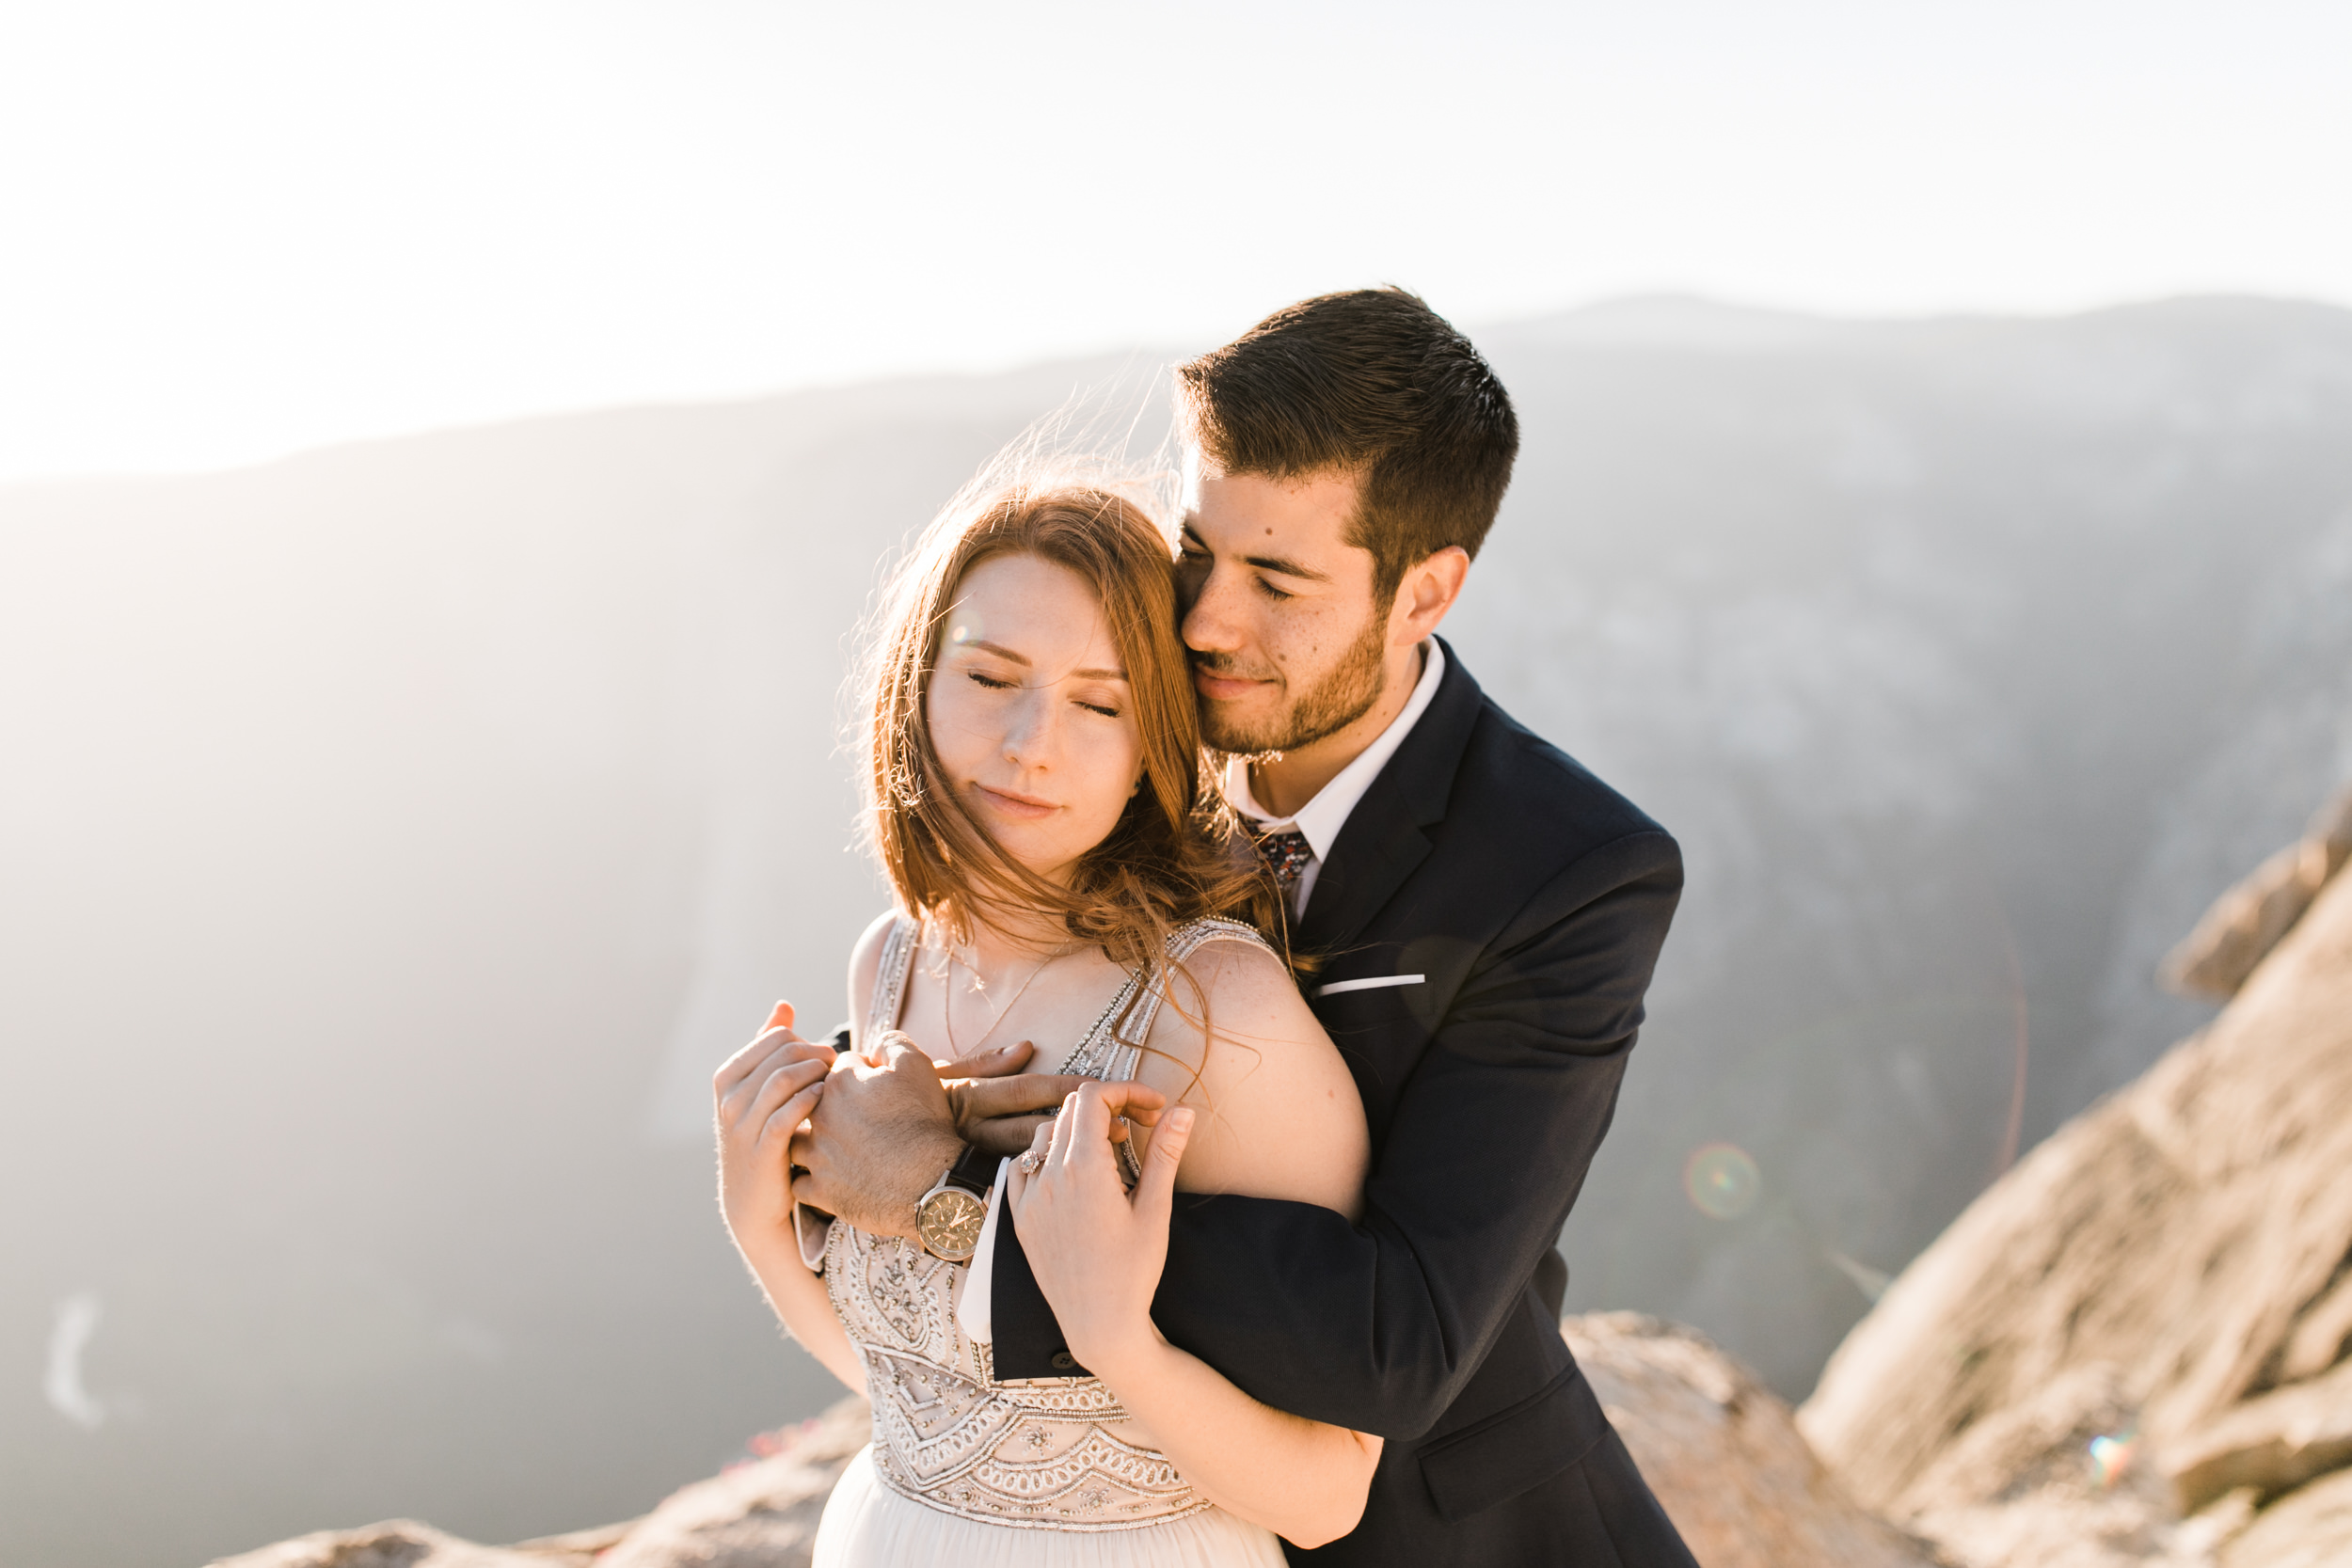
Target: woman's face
[1030,712]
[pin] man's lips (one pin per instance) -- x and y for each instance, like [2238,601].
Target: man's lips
[1007,803]
[1219,688]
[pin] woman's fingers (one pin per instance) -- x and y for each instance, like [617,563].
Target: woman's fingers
[783,1053]
[1155,1195]
[786,1117]
[746,1063]
[739,1067]
[1138,1102]
[1083,1130]
[1063,1134]
[784,1081]
[1017,1182]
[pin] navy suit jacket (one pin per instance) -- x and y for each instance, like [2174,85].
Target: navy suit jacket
[1533,900]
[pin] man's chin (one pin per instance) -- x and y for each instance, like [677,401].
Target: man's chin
[1233,735]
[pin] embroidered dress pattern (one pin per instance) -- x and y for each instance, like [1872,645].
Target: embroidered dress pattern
[1041,1454]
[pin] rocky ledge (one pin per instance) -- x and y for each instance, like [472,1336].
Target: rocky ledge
[1721,1450]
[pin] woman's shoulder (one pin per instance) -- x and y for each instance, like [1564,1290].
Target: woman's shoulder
[875,937]
[1233,959]
[1283,1118]
[865,965]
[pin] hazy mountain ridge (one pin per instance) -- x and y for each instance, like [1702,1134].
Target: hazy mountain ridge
[1918,635]
[482,787]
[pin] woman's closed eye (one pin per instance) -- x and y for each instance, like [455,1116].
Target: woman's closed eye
[999,683]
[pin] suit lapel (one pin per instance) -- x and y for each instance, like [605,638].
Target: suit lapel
[1383,841]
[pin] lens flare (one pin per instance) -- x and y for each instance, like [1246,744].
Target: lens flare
[1721,1181]
[2111,1457]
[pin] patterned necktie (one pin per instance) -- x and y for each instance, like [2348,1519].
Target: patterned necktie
[1287,854]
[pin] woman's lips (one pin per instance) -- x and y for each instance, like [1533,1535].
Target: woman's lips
[1025,807]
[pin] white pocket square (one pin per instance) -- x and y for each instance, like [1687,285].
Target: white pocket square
[1377,982]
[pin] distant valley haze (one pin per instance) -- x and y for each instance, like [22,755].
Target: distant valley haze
[393,838]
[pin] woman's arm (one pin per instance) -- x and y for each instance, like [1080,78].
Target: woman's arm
[764,1093]
[1270,1112]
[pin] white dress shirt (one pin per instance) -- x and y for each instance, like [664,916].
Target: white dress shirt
[1320,820]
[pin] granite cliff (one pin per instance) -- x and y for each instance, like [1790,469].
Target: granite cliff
[2132,1349]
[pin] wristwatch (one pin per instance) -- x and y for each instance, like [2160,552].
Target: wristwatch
[949,1217]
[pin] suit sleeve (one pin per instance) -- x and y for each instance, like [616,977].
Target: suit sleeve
[1378,1325]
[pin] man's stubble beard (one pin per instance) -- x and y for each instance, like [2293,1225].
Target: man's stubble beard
[1335,701]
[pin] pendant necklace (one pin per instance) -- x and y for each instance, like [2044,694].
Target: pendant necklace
[947,1007]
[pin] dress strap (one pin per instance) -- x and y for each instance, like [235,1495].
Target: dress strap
[1113,1049]
[890,978]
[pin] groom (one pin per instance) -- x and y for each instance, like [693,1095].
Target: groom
[1488,913]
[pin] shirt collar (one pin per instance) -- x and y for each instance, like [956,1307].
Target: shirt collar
[1320,818]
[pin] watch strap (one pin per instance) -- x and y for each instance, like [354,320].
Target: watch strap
[974,1171]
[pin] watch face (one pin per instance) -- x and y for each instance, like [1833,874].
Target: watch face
[950,1221]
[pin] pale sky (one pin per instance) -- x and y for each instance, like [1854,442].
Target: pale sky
[235,228]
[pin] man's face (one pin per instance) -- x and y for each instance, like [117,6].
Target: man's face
[1287,644]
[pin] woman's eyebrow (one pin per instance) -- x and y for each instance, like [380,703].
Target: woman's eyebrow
[1023,660]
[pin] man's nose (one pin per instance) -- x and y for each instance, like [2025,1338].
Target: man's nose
[1209,626]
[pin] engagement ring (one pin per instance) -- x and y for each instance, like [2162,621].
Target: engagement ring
[1031,1162]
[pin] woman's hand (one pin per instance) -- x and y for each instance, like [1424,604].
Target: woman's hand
[1096,1250]
[763,1094]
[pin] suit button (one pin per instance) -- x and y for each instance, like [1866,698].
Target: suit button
[1064,1361]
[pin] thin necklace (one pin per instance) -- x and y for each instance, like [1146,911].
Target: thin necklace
[947,1001]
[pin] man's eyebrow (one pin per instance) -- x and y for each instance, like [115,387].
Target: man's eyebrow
[1282,565]
[1286,567]
[1023,660]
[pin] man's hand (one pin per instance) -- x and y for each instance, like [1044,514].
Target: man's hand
[887,1137]
[998,1108]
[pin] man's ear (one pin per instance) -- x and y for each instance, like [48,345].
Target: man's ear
[1426,593]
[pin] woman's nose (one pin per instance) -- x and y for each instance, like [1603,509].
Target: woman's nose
[1029,739]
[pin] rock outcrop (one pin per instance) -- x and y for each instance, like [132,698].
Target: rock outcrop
[2130,1349]
[760,1515]
[2310,1529]
[405,1544]
[1722,1452]
[2272,1443]
[2247,922]
[1721,1449]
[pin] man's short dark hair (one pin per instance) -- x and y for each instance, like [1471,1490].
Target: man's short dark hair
[1372,383]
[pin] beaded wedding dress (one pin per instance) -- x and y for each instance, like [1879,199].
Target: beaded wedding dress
[969,1471]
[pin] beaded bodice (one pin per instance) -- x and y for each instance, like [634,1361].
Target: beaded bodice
[1049,1453]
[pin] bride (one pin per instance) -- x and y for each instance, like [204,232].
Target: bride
[1066,874]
